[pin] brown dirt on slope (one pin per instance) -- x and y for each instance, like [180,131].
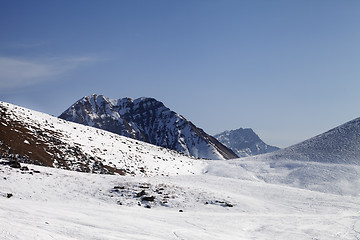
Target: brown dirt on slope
[31,144]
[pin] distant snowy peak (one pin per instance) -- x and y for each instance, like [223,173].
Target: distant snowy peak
[148,120]
[244,142]
[338,145]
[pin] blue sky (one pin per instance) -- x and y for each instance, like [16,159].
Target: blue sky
[288,69]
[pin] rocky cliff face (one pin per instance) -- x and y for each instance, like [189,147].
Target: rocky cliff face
[244,142]
[148,120]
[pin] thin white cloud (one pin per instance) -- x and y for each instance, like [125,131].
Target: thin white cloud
[24,45]
[16,72]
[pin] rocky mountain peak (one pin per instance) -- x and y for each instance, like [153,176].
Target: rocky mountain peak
[149,120]
[244,142]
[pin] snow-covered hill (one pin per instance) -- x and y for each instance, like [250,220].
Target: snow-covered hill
[327,163]
[148,120]
[244,142]
[39,138]
[338,145]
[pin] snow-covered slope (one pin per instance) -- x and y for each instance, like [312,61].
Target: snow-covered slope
[244,142]
[48,203]
[39,138]
[148,120]
[338,145]
[329,162]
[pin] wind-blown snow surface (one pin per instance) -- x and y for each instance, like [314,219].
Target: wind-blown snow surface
[59,204]
[329,162]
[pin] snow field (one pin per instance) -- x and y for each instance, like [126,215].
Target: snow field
[60,204]
[342,179]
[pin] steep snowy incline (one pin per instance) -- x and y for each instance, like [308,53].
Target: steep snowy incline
[39,138]
[148,120]
[244,142]
[338,145]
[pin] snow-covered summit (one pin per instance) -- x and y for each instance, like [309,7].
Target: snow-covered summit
[244,142]
[148,120]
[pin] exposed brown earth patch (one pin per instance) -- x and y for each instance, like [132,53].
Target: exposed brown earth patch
[32,144]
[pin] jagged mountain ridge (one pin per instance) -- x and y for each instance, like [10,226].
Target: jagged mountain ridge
[32,137]
[148,120]
[244,142]
[338,145]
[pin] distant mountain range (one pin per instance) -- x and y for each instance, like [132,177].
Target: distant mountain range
[148,120]
[244,142]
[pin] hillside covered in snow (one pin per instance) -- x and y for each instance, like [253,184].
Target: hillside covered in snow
[307,191]
[33,137]
[338,145]
[148,120]
[328,163]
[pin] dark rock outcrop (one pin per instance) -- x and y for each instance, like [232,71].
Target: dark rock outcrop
[148,120]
